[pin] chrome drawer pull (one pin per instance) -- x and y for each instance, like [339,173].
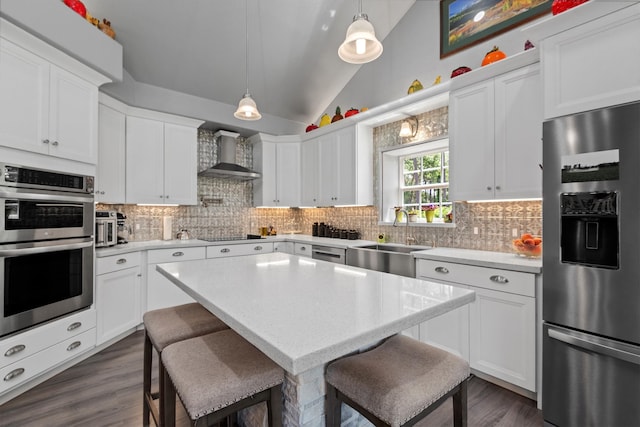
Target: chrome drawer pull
[443,270]
[177,254]
[303,248]
[121,261]
[15,373]
[74,345]
[499,279]
[74,325]
[225,250]
[257,248]
[15,349]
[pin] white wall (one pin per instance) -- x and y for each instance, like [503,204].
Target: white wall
[412,51]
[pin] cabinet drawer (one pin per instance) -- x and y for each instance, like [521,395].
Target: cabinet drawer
[302,249]
[238,250]
[514,282]
[117,262]
[23,370]
[32,341]
[176,254]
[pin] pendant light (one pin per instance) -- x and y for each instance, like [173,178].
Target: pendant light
[361,45]
[247,108]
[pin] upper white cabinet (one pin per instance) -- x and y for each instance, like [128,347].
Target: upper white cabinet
[161,160]
[592,65]
[110,170]
[337,169]
[45,108]
[279,164]
[495,129]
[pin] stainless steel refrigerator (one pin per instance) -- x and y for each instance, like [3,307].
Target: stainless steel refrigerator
[591,268]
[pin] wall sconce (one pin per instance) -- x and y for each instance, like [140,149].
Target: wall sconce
[409,127]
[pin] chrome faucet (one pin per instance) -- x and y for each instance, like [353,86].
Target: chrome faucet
[408,240]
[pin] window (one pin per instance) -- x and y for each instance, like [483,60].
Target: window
[425,181]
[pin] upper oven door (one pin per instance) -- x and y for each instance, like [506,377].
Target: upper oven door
[29,215]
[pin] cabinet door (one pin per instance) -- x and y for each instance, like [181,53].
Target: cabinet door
[288,174]
[180,164]
[449,331]
[145,161]
[328,165]
[265,192]
[309,173]
[24,99]
[346,166]
[117,303]
[471,135]
[502,331]
[518,134]
[110,171]
[73,117]
[162,293]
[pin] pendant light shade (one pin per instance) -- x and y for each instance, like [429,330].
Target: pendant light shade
[247,108]
[361,45]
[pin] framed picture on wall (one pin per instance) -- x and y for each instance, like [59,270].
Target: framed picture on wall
[464,23]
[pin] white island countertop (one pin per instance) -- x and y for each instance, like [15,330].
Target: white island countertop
[304,313]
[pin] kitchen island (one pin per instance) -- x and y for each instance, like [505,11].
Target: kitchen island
[304,313]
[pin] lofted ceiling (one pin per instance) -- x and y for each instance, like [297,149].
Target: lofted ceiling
[197,47]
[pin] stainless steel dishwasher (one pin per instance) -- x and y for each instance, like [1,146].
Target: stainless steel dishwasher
[328,253]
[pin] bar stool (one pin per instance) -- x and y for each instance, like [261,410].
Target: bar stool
[218,374]
[163,327]
[397,383]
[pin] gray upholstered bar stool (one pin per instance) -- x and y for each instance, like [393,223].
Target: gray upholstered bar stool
[397,383]
[163,327]
[216,375]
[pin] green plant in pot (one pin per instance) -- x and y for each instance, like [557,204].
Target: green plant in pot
[429,212]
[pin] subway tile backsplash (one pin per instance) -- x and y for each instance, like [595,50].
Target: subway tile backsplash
[225,208]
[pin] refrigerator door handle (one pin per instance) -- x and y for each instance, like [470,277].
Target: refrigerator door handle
[594,346]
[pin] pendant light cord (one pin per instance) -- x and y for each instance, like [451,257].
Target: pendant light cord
[246,43]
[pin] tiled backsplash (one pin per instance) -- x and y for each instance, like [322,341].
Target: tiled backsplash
[225,209]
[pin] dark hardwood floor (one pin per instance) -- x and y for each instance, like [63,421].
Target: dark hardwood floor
[106,390]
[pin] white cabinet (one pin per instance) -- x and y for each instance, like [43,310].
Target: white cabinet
[46,109]
[110,170]
[221,251]
[497,332]
[337,169]
[118,295]
[161,161]
[302,249]
[161,292]
[284,247]
[592,65]
[495,129]
[279,165]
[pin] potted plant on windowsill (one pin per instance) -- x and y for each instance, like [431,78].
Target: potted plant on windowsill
[429,212]
[413,215]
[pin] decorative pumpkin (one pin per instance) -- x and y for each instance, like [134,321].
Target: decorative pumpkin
[559,6]
[493,55]
[351,111]
[337,116]
[77,6]
[311,127]
[460,70]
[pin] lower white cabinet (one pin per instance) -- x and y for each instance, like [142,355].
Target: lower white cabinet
[161,292]
[497,332]
[284,247]
[118,295]
[220,251]
[302,249]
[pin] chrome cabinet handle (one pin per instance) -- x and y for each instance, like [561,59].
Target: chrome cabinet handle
[257,248]
[121,261]
[488,188]
[15,349]
[497,187]
[443,270]
[74,345]
[45,141]
[177,253]
[499,279]
[74,325]
[15,373]
[225,250]
[303,248]
[54,143]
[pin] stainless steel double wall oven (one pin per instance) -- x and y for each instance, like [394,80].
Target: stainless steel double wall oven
[46,245]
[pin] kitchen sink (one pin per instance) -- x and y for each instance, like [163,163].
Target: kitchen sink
[395,259]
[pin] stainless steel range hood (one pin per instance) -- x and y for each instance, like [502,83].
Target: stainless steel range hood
[226,168]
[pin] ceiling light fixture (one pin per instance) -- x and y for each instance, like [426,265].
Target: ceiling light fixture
[361,45]
[409,127]
[247,108]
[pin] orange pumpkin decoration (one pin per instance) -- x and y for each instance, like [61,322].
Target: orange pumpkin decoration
[493,55]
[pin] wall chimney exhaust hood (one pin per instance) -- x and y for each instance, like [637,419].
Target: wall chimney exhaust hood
[226,168]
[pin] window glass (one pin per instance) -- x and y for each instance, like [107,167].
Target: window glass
[425,182]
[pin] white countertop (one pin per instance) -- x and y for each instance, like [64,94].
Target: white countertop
[500,260]
[304,313]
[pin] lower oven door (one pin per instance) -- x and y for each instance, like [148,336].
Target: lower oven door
[44,280]
[589,380]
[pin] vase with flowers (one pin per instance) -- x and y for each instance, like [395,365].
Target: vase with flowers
[429,212]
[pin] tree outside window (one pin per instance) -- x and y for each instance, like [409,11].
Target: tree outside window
[425,181]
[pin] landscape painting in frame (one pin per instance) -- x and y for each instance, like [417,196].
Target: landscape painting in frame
[464,23]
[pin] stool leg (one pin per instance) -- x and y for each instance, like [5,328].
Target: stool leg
[167,401]
[460,405]
[334,407]
[274,406]
[146,373]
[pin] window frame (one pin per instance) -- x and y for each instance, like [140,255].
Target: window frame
[444,169]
